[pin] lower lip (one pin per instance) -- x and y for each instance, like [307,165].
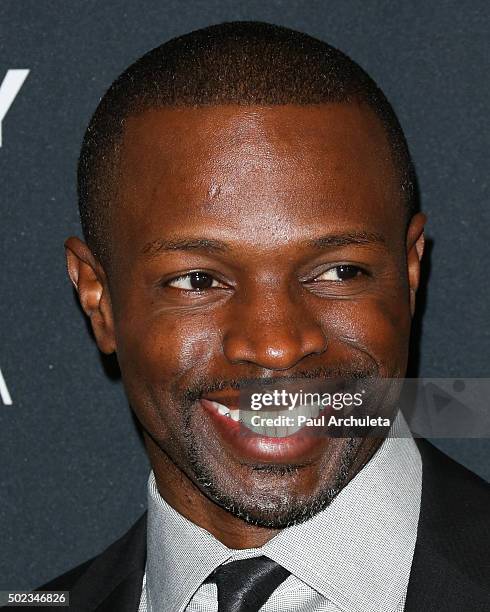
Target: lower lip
[301,447]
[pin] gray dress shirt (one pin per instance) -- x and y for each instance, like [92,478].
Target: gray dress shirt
[354,556]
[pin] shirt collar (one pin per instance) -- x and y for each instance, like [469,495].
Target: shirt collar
[357,552]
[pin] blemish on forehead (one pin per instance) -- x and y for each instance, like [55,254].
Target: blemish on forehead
[212,196]
[214,190]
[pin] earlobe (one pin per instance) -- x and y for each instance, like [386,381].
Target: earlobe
[90,282]
[415,251]
[419,245]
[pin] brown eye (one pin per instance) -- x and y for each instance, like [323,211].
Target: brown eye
[340,273]
[200,280]
[195,281]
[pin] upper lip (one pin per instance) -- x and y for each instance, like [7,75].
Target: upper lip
[226,398]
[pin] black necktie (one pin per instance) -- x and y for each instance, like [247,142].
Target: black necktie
[245,585]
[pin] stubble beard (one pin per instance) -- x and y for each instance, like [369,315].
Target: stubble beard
[273,505]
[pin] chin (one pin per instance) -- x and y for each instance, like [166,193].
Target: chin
[277,496]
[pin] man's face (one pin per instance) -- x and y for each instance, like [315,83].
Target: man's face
[255,243]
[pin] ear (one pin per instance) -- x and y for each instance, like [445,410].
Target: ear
[415,250]
[90,281]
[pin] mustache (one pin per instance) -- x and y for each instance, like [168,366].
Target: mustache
[345,373]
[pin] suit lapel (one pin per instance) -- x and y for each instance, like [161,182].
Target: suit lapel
[113,580]
[436,584]
[448,569]
[126,595]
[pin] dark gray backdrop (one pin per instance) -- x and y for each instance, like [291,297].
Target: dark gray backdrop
[72,469]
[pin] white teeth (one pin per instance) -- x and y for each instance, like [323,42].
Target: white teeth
[280,430]
[284,427]
[225,411]
[221,409]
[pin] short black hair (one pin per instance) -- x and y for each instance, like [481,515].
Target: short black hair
[244,63]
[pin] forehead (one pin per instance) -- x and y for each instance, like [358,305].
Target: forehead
[250,166]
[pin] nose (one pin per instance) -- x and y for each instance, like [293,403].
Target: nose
[275,334]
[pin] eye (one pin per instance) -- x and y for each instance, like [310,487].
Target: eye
[340,273]
[195,281]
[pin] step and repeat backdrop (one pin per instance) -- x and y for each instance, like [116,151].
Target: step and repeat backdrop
[73,470]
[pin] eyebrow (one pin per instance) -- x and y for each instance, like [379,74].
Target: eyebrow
[339,240]
[209,245]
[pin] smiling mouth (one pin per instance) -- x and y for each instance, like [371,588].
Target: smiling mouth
[270,424]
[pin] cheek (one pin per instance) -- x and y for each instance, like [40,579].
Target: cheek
[157,353]
[161,349]
[374,325]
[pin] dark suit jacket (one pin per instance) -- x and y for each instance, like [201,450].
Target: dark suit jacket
[450,570]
